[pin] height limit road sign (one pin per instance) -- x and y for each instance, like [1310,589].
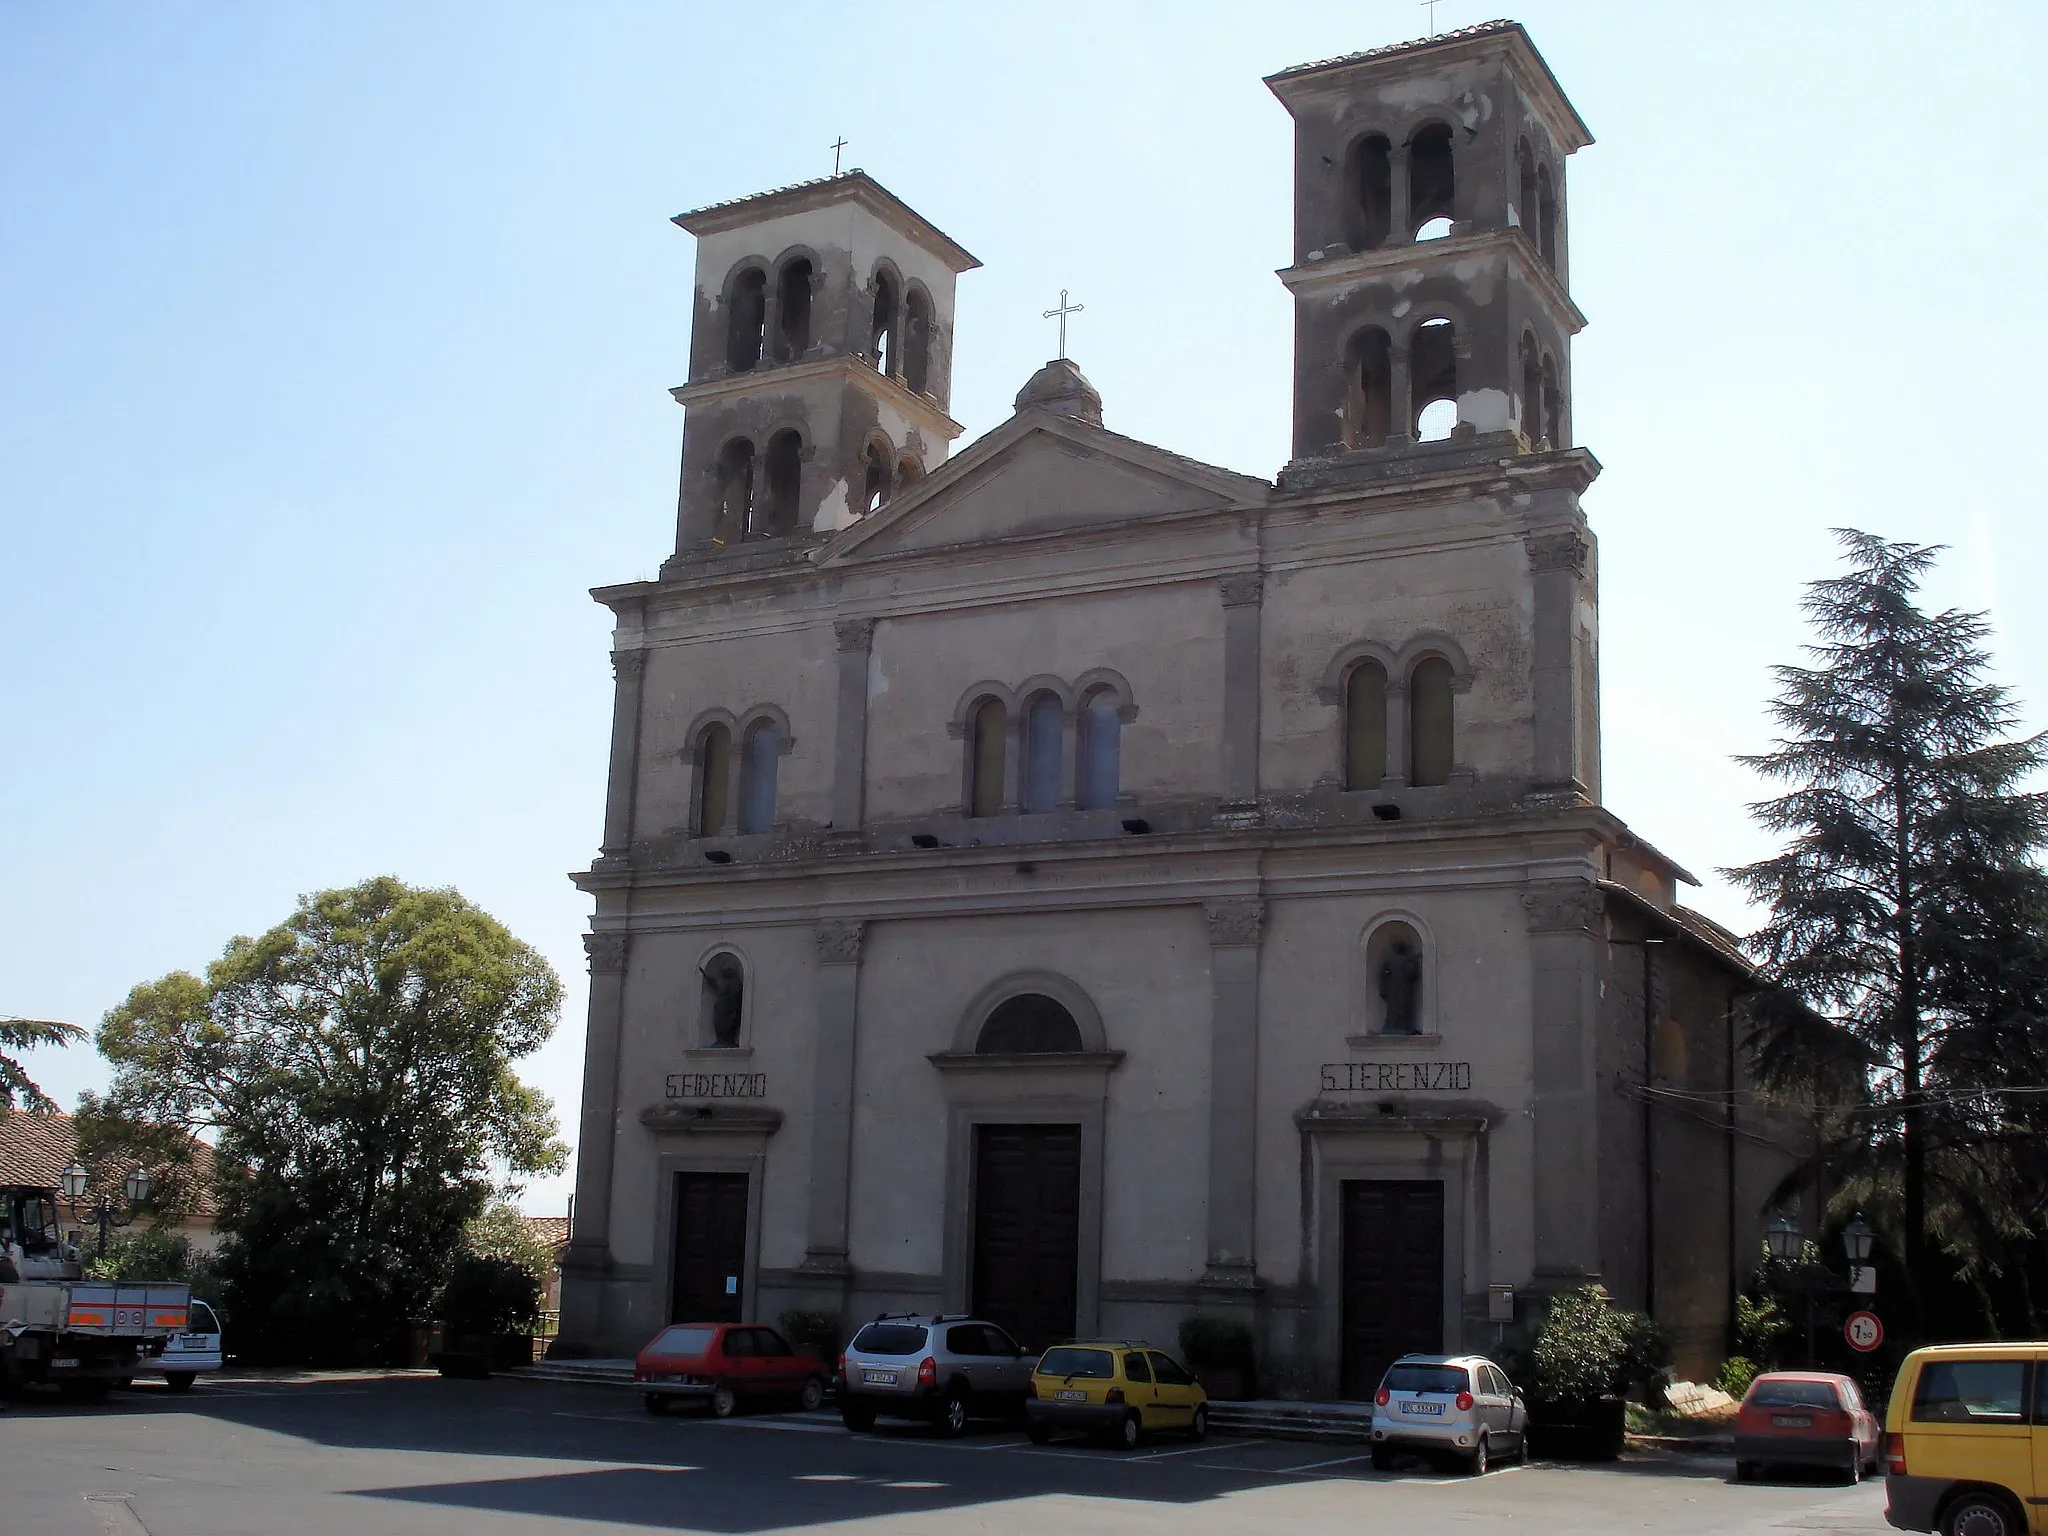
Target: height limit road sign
[1863,1331]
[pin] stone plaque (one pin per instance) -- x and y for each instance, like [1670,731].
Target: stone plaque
[1397,1077]
[718,1085]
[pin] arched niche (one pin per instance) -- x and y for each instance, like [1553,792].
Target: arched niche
[999,1004]
[1380,954]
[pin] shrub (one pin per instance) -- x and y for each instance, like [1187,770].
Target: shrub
[817,1331]
[1588,1349]
[490,1296]
[1737,1372]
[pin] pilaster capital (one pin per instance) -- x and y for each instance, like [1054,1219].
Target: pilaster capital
[839,943]
[854,634]
[1568,551]
[606,952]
[1563,906]
[1236,922]
[1241,588]
[628,664]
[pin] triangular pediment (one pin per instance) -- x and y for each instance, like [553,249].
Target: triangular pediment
[1041,473]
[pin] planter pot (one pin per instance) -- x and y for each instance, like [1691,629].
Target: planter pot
[1588,1431]
[1225,1383]
[478,1354]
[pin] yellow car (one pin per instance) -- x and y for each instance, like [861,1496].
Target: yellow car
[1114,1389]
[1966,1440]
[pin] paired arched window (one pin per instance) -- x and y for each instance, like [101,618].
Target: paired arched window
[793,310]
[882,333]
[1030,1024]
[1432,177]
[917,341]
[1429,722]
[908,472]
[1369,399]
[746,317]
[1546,217]
[721,1001]
[735,491]
[782,475]
[1100,763]
[760,757]
[1365,725]
[988,728]
[714,774]
[1369,175]
[877,484]
[1044,740]
[1432,380]
[1542,406]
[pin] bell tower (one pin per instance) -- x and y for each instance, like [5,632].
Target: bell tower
[821,353]
[1430,278]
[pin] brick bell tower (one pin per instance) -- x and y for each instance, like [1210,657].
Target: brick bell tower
[1430,280]
[821,353]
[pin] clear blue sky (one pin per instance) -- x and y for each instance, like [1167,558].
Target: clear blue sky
[335,340]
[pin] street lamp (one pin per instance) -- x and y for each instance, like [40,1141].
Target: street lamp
[136,1187]
[1856,1240]
[1784,1238]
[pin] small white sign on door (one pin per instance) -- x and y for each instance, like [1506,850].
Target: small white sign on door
[732,1285]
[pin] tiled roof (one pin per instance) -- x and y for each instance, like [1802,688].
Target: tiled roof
[36,1149]
[1482,29]
[552,1230]
[794,186]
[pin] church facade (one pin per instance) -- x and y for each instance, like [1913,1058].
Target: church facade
[1069,882]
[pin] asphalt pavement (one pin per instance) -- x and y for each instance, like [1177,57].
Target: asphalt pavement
[411,1454]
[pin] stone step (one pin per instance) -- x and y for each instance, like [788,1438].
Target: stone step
[602,1373]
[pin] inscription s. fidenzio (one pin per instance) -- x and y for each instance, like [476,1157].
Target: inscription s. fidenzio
[1397,1077]
[718,1085]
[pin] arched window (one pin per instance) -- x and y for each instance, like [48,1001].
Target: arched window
[722,1001]
[760,756]
[714,773]
[1525,172]
[1101,752]
[783,471]
[1370,216]
[747,314]
[1553,404]
[1365,726]
[917,341]
[1429,722]
[1532,390]
[1432,178]
[985,762]
[876,483]
[1546,217]
[1044,733]
[1030,1024]
[1432,380]
[882,336]
[1369,400]
[793,311]
[735,491]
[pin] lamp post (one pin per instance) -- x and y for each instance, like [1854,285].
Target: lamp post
[1787,1244]
[135,1187]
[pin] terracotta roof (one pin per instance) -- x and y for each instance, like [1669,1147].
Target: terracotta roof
[36,1149]
[854,185]
[1481,29]
[552,1230]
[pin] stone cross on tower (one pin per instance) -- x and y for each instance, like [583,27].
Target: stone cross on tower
[1061,313]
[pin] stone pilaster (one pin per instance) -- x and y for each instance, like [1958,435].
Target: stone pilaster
[855,638]
[1558,563]
[1565,920]
[629,668]
[589,1255]
[1241,592]
[1235,929]
[839,947]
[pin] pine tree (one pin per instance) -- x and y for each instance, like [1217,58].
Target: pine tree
[1902,943]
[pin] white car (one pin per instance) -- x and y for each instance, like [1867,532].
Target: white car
[1458,1409]
[188,1353]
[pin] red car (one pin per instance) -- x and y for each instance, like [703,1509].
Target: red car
[721,1365]
[1805,1419]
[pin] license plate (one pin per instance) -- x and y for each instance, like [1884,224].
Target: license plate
[878,1378]
[62,1364]
[1071,1397]
[1792,1420]
[672,1378]
[1435,1408]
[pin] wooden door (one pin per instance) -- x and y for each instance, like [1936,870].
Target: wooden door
[1393,1277]
[710,1248]
[1027,1229]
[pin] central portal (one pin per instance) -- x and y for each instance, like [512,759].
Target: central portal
[1393,1277]
[710,1247]
[1027,1229]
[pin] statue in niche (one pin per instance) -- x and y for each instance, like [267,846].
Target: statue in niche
[1401,989]
[724,987]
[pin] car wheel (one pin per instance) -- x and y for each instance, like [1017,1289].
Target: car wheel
[1038,1434]
[813,1397]
[1980,1514]
[654,1402]
[1129,1433]
[724,1402]
[1198,1426]
[1479,1463]
[951,1418]
[1383,1458]
[856,1417]
[179,1381]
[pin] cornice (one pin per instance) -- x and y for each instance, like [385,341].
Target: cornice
[1427,255]
[841,369]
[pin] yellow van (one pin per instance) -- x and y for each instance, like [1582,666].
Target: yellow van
[1966,1441]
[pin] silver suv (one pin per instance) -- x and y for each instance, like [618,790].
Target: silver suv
[943,1370]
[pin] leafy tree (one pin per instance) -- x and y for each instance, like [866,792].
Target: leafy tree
[499,1232]
[1904,929]
[490,1296]
[21,1035]
[111,1145]
[354,1066]
[151,1254]
[1587,1349]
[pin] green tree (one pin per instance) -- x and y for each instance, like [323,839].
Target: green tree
[500,1233]
[354,1068]
[1903,928]
[22,1035]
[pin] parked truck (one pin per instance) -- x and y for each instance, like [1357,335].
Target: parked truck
[84,1337]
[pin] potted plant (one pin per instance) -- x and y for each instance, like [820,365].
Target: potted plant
[1586,1355]
[1219,1352]
[489,1309]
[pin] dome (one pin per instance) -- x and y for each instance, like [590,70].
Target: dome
[1058,386]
